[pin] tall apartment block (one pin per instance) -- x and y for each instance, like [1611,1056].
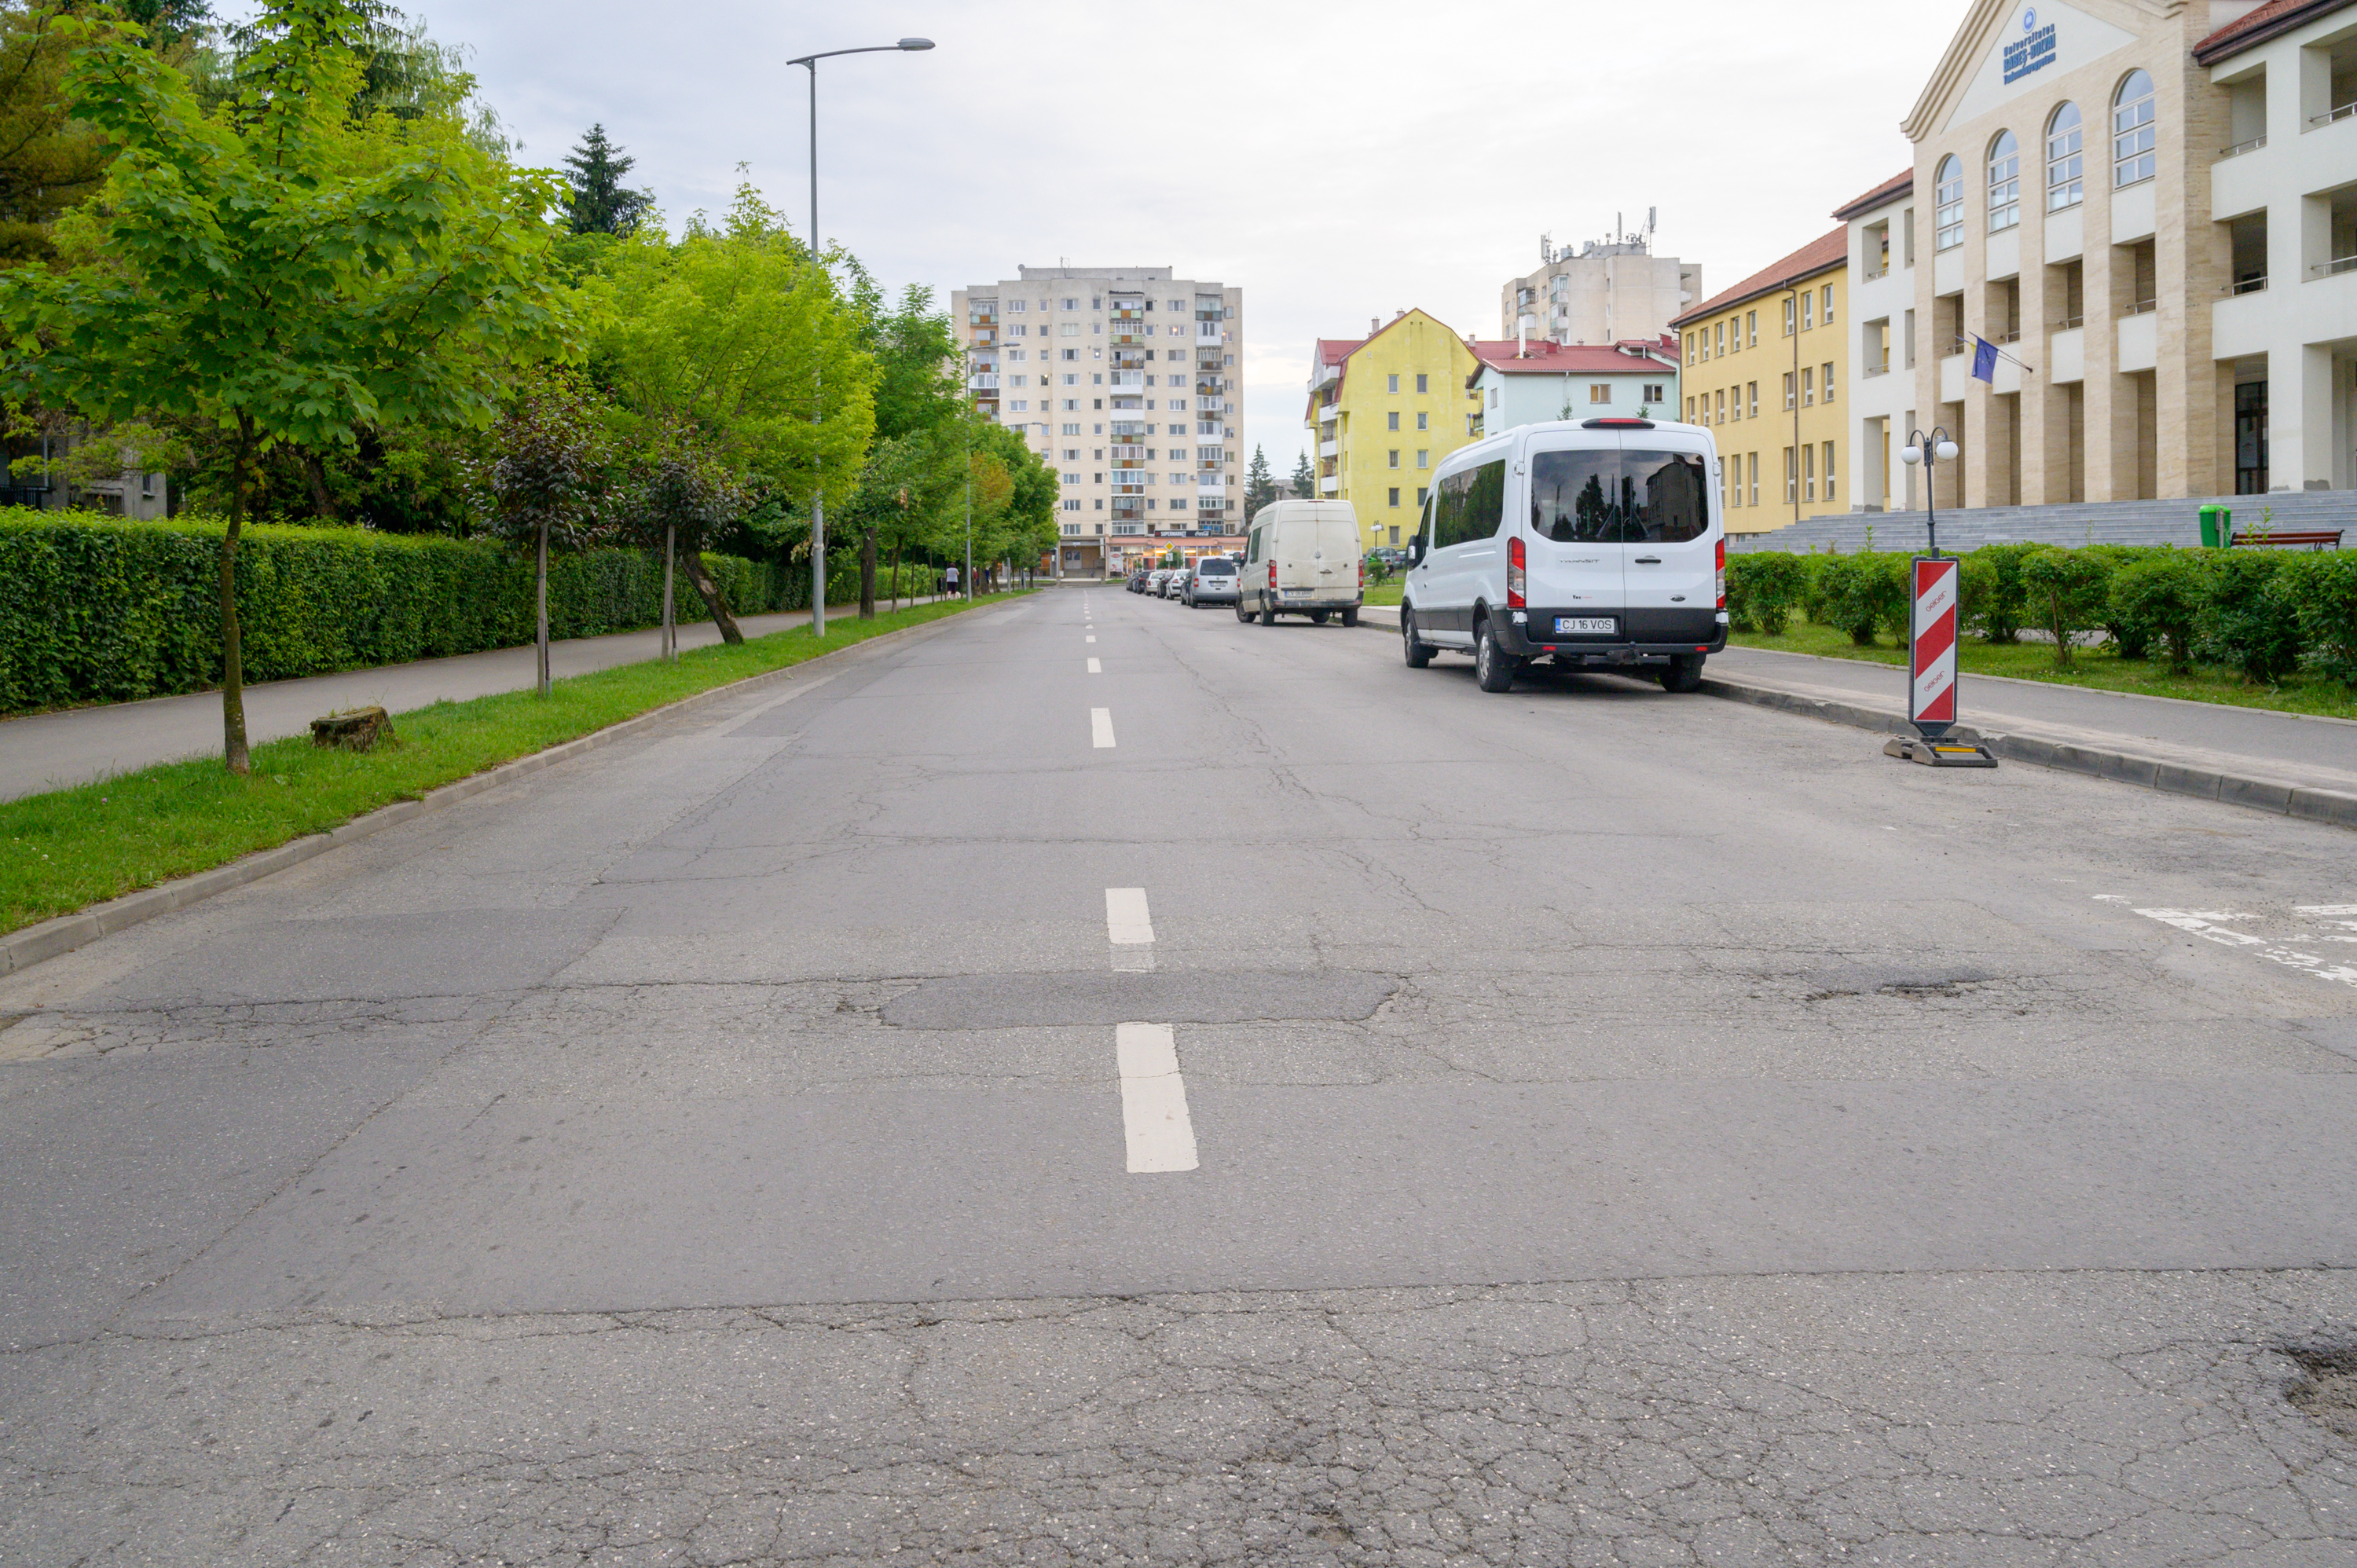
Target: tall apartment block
[1610,291]
[1124,379]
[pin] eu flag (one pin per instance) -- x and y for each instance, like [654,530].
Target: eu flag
[1984,361]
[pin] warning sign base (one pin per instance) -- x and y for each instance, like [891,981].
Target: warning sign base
[1939,753]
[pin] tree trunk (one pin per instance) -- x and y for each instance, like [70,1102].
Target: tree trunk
[692,561]
[671,623]
[233,751]
[868,575]
[897,550]
[323,504]
[540,597]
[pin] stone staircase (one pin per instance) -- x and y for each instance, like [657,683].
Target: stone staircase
[2088,522]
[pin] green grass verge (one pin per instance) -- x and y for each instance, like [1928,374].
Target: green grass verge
[2099,668]
[1386,593]
[68,849]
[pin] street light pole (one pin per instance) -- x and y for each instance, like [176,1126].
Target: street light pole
[1929,449]
[818,389]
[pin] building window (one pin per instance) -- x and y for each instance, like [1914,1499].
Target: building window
[2133,134]
[1808,387]
[1752,329]
[1073,503]
[1722,408]
[1808,473]
[1423,384]
[1394,493]
[1690,402]
[1392,458]
[1827,312]
[1599,391]
[1752,391]
[1421,492]
[1654,392]
[1423,421]
[1690,349]
[1719,334]
[1792,308]
[1830,472]
[2066,161]
[1808,310]
[1948,205]
[1791,392]
[1424,457]
[1395,421]
[1791,477]
[1395,384]
[2004,182]
[1755,478]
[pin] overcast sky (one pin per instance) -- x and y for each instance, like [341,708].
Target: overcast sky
[1336,160]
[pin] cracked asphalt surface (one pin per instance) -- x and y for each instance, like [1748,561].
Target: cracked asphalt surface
[1633,1129]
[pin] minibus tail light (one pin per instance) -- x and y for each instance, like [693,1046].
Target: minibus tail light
[1518,578]
[1272,572]
[1722,571]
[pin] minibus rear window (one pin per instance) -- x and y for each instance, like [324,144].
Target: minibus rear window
[1606,495]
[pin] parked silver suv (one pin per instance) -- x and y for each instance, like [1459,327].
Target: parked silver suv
[1214,581]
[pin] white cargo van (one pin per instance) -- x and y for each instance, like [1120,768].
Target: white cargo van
[1592,542]
[1302,558]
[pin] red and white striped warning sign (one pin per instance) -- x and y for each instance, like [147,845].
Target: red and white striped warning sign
[1931,695]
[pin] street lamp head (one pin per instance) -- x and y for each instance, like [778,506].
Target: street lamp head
[1911,454]
[1947,451]
[914,44]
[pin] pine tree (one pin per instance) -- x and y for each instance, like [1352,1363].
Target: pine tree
[599,204]
[1304,480]
[1260,485]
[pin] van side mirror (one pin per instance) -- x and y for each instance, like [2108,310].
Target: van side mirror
[1416,551]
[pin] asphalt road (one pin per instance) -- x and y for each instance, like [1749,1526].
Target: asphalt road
[1095,1082]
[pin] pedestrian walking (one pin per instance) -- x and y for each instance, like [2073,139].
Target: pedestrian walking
[950,579]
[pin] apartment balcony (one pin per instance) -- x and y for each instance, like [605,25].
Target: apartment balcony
[1128,380]
[1209,386]
[1329,448]
[1211,405]
[1127,427]
[1210,332]
[980,383]
[1330,486]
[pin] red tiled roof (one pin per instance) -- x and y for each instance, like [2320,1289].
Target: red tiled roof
[2271,20]
[1334,350]
[1904,180]
[1551,357]
[1818,255]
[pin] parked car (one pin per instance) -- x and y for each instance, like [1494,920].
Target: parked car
[1591,542]
[1302,558]
[1216,580]
[1393,556]
[1172,582]
[1137,580]
[1154,581]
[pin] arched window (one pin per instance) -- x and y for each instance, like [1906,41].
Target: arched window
[2132,131]
[2066,165]
[1948,205]
[2004,182]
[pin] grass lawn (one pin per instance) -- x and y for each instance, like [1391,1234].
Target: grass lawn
[1386,593]
[2097,667]
[70,848]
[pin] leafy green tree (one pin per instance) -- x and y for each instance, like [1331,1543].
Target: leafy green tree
[1260,485]
[546,478]
[735,331]
[914,467]
[277,270]
[1304,478]
[595,201]
[682,491]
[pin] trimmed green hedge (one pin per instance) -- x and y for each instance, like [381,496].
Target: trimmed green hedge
[98,609]
[2264,612]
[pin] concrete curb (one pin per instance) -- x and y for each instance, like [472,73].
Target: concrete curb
[2283,796]
[22,949]
[2256,791]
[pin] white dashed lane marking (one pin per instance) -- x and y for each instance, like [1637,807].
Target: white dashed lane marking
[1101,728]
[1161,1134]
[1095,668]
[1129,928]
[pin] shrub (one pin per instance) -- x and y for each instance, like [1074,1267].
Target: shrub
[1763,589]
[100,609]
[2323,588]
[2068,589]
[2156,597]
[2248,618]
[1996,600]
[2131,634]
[1894,595]
[1861,593]
[1813,587]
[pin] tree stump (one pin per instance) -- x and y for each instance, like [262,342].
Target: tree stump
[355,729]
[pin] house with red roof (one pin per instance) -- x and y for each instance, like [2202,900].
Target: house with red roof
[1530,381]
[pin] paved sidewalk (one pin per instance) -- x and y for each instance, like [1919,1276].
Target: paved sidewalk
[47,751]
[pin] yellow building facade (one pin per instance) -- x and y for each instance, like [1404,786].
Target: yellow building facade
[1764,367]
[1384,409]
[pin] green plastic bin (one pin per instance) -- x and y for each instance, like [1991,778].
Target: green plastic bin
[2217,527]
